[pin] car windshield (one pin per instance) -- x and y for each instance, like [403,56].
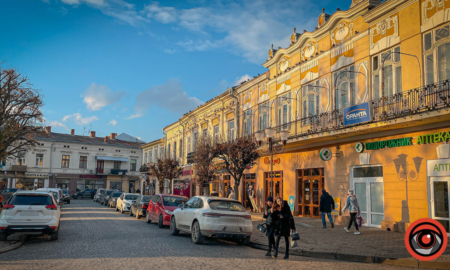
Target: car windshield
[11,190]
[116,194]
[65,191]
[109,192]
[26,199]
[131,197]
[226,206]
[146,199]
[173,201]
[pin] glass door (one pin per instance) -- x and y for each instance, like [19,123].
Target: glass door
[440,201]
[277,182]
[310,185]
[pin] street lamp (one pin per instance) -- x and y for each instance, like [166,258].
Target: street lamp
[274,146]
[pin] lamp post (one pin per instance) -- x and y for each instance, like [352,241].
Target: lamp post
[274,146]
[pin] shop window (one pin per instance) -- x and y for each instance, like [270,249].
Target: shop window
[392,73]
[116,165]
[65,161]
[248,122]
[372,171]
[39,160]
[63,184]
[345,94]
[263,115]
[83,162]
[231,130]
[250,176]
[116,185]
[133,165]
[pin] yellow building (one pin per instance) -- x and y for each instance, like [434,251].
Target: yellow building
[365,100]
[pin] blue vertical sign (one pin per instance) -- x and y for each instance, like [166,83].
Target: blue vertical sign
[291,202]
[357,114]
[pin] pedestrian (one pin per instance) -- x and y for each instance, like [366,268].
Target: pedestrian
[138,191]
[284,224]
[270,229]
[214,193]
[325,206]
[232,195]
[92,194]
[250,193]
[1,201]
[353,207]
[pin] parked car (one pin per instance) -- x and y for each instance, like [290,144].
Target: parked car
[113,198]
[139,207]
[30,212]
[66,196]
[57,192]
[212,217]
[103,198]
[98,193]
[7,193]
[83,194]
[161,206]
[124,202]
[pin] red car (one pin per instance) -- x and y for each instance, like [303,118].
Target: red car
[161,206]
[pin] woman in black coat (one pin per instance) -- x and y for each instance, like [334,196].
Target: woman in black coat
[283,226]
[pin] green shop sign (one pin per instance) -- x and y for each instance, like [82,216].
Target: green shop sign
[389,143]
[433,138]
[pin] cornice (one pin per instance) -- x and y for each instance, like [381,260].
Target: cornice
[382,9]
[251,83]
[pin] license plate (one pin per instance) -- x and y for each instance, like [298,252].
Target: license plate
[29,214]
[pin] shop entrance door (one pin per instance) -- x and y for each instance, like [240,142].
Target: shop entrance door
[310,185]
[277,182]
[249,180]
[440,201]
[367,182]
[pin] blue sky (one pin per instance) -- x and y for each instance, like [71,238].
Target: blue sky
[137,66]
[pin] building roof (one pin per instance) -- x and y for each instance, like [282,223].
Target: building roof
[153,143]
[128,138]
[59,137]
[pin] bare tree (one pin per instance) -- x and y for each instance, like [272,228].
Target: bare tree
[237,156]
[20,114]
[204,163]
[166,168]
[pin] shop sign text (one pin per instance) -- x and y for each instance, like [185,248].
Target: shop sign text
[357,114]
[275,160]
[434,138]
[389,143]
[438,167]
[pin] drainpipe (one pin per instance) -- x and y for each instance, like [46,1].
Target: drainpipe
[236,108]
[50,166]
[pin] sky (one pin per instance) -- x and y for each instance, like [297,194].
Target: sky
[115,66]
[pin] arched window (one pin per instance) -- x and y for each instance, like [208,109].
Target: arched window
[437,54]
[248,122]
[310,98]
[345,92]
[392,73]
[263,115]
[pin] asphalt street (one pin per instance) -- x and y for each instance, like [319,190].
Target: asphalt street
[97,237]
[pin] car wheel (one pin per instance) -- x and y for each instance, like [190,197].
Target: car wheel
[196,235]
[68,202]
[244,241]
[3,236]
[160,222]
[54,235]
[148,218]
[173,227]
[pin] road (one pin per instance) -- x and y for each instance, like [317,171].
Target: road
[96,237]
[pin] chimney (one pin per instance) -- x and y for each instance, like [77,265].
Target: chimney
[72,132]
[106,138]
[92,134]
[48,129]
[113,136]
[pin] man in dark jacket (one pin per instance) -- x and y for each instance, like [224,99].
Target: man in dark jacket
[270,232]
[326,205]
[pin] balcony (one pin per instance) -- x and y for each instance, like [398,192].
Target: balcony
[118,172]
[18,168]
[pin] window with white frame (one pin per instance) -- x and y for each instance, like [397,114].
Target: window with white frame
[436,46]
[231,130]
[150,157]
[284,110]
[310,98]
[263,115]
[65,161]
[21,159]
[216,133]
[392,73]
[345,92]
[248,122]
[40,160]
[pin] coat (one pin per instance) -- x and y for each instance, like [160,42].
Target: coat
[270,221]
[284,221]
[326,203]
[352,204]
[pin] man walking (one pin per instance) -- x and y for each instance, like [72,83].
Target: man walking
[326,205]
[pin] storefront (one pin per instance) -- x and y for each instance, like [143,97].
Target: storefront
[77,182]
[183,185]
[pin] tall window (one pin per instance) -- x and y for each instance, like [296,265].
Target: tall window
[175,150]
[205,133]
[284,110]
[161,153]
[21,159]
[150,157]
[180,150]
[133,165]
[83,162]
[116,165]
[437,55]
[168,150]
[65,161]
[189,145]
[263,115]
[195,139]
[392,73]
[39,160]
[231,130]
[345,94]
[248,122]
[310,98]
[146,157]
[216,133]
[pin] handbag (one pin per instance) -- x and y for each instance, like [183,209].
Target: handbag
[295,236]
[359,219]
[293,243]
[262,228]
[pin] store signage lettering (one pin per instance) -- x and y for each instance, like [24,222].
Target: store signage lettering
[434,138]
[438,167]
[443,167]
[90,176]
[275,161]
[357,114]
[389,143]
[187,172]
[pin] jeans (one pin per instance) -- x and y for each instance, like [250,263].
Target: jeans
[271,241]
[323,218]
[286,240]
[353,220]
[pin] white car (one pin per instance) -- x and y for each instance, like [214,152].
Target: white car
[212,217]
[30,212]
[57,192]
[124,202]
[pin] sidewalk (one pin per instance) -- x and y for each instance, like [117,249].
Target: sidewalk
[372,246]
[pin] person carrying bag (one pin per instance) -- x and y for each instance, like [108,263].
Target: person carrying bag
[284,224]
[269,229]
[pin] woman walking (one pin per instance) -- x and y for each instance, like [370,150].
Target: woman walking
[270,228]
[353,207]
[284,224]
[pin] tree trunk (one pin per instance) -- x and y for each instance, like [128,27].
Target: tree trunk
[236,190]
[206,191]
[161,187]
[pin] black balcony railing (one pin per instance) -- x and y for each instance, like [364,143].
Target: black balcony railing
[401,105]
[118,172]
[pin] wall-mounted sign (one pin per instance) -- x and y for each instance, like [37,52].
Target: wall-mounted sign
[438,167]
[389,143]
[357,114]
[433,138]
[275,161]
[187,172]
[325,154]
[337,203]
[275,175]
[359,147]
[292,202]
[220,168]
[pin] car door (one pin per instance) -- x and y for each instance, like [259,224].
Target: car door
[182,220]
[190,215]
[152,207]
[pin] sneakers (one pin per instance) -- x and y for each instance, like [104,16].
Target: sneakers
[269,253]
[345,228]
[357,232]
[332,225]
[324,227]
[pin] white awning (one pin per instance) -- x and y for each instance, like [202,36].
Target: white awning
[112,158]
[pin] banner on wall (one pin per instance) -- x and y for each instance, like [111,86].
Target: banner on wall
[291,202]
[337,205]
[182,188]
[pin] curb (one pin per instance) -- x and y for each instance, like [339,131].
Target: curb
[14,246]
[361,258]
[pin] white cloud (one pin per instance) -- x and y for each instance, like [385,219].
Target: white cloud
[79,120]
[169,51]
[170,96]
[98,96]
[56,124]
[112,123]
[161,14]
[199,45]
[243,78]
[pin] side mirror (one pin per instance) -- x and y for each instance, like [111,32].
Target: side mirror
[181,206]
